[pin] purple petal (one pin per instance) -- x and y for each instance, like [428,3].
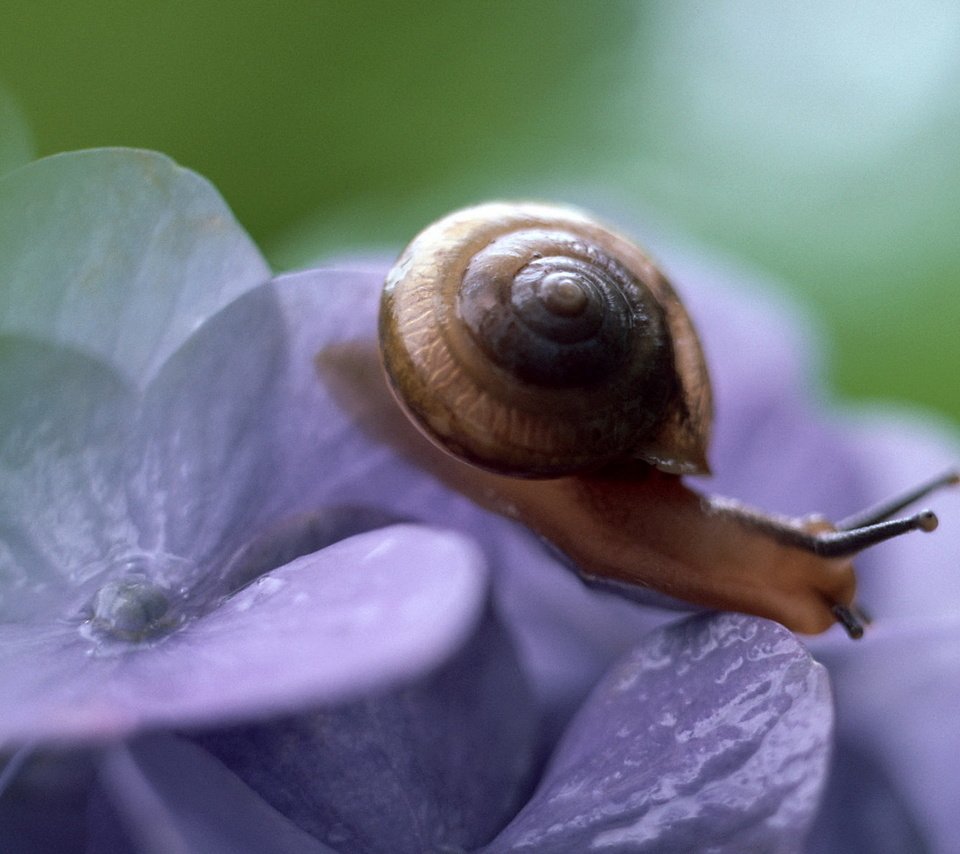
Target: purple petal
[43,802]
[897,697]
[118,253]
[774,446]
[568,634]
[163,794]
[204,457]
[713,734]
[863,810]
[366,614]
[437,766]
[915,576]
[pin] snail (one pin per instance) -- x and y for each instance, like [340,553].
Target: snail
[553,359]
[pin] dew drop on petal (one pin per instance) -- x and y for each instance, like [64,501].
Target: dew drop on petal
[143,597]
[129,608]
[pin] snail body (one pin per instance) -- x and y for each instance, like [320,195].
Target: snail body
[552,358]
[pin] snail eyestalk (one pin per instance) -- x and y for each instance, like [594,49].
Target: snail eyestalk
[849,621]
[849,541]
[862,614]
[880,512]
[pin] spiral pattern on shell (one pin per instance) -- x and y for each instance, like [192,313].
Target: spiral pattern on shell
[531,341]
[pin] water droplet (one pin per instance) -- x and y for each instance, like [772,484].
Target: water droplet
[141,597]
[130,609]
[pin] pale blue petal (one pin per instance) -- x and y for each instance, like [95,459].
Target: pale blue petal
[64,422]
[119,254]
[110,260]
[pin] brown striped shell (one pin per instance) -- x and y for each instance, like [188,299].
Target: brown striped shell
[532,341]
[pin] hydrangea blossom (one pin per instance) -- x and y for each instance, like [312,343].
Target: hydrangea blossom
[232,618]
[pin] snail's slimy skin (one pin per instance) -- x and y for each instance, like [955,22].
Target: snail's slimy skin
[652,530]
[561,383]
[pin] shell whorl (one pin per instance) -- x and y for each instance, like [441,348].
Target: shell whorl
[531,341]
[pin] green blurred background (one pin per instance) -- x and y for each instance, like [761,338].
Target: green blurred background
[819,141]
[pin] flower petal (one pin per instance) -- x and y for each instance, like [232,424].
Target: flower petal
[915,576]
[361,616]
[163,793]
[205,453]
[43,801]
[436,766]
[118,253]
[896,689]
[95,473]
[863,810]
[897,699]
[712,735]
[773,445]
[64,418]
[96,477]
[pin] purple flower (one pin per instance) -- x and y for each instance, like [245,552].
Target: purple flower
[233,617]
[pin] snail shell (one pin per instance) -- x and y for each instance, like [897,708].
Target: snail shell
[532,341]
